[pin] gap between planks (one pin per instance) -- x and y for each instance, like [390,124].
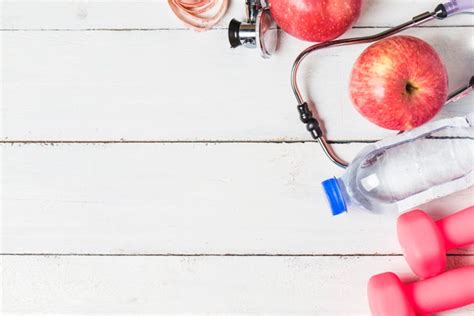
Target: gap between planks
[59,142]
[186,29]
[341,255]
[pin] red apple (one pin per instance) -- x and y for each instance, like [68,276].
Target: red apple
[399,83]
[315,20]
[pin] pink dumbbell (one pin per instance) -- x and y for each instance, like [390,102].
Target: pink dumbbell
[425,242]
[388,296]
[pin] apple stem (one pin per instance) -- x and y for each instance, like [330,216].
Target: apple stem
[410,88]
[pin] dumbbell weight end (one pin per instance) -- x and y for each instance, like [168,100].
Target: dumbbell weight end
[388,296]
[452,289]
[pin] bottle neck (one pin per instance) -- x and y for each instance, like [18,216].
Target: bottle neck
[336,194]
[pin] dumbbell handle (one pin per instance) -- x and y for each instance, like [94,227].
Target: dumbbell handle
[458,229]
[449,290]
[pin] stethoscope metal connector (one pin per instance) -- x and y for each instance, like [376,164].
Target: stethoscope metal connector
[259,30]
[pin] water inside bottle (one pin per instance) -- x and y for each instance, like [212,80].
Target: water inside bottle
[395,173]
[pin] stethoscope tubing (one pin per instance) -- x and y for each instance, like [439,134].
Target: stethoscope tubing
[313,125]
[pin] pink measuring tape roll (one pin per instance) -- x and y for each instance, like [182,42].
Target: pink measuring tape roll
[193,12]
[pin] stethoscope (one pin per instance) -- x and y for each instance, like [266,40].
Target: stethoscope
[313,125]
[260,31]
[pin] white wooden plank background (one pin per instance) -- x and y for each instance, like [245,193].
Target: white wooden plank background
[135,180]
[280,285]
[155,14]
[184,198]
[70,73]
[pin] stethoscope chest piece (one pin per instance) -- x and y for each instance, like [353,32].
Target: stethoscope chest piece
[267,33]
[258,31]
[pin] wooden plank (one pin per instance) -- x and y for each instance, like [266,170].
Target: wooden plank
[283,285]
[155,14]
[185,198]
[174,85]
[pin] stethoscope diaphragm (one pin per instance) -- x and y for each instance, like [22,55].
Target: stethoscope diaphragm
[267,33]
[259,31]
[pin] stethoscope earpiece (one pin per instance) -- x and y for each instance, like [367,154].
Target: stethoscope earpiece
[258,31]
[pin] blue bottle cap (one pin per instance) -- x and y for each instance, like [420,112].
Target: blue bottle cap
[334,195]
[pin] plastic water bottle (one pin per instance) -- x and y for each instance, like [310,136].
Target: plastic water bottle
[404,171]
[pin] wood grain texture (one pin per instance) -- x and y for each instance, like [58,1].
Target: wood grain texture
[178,85]
[185,198]
[155,14]
[206,226]
[250,285]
